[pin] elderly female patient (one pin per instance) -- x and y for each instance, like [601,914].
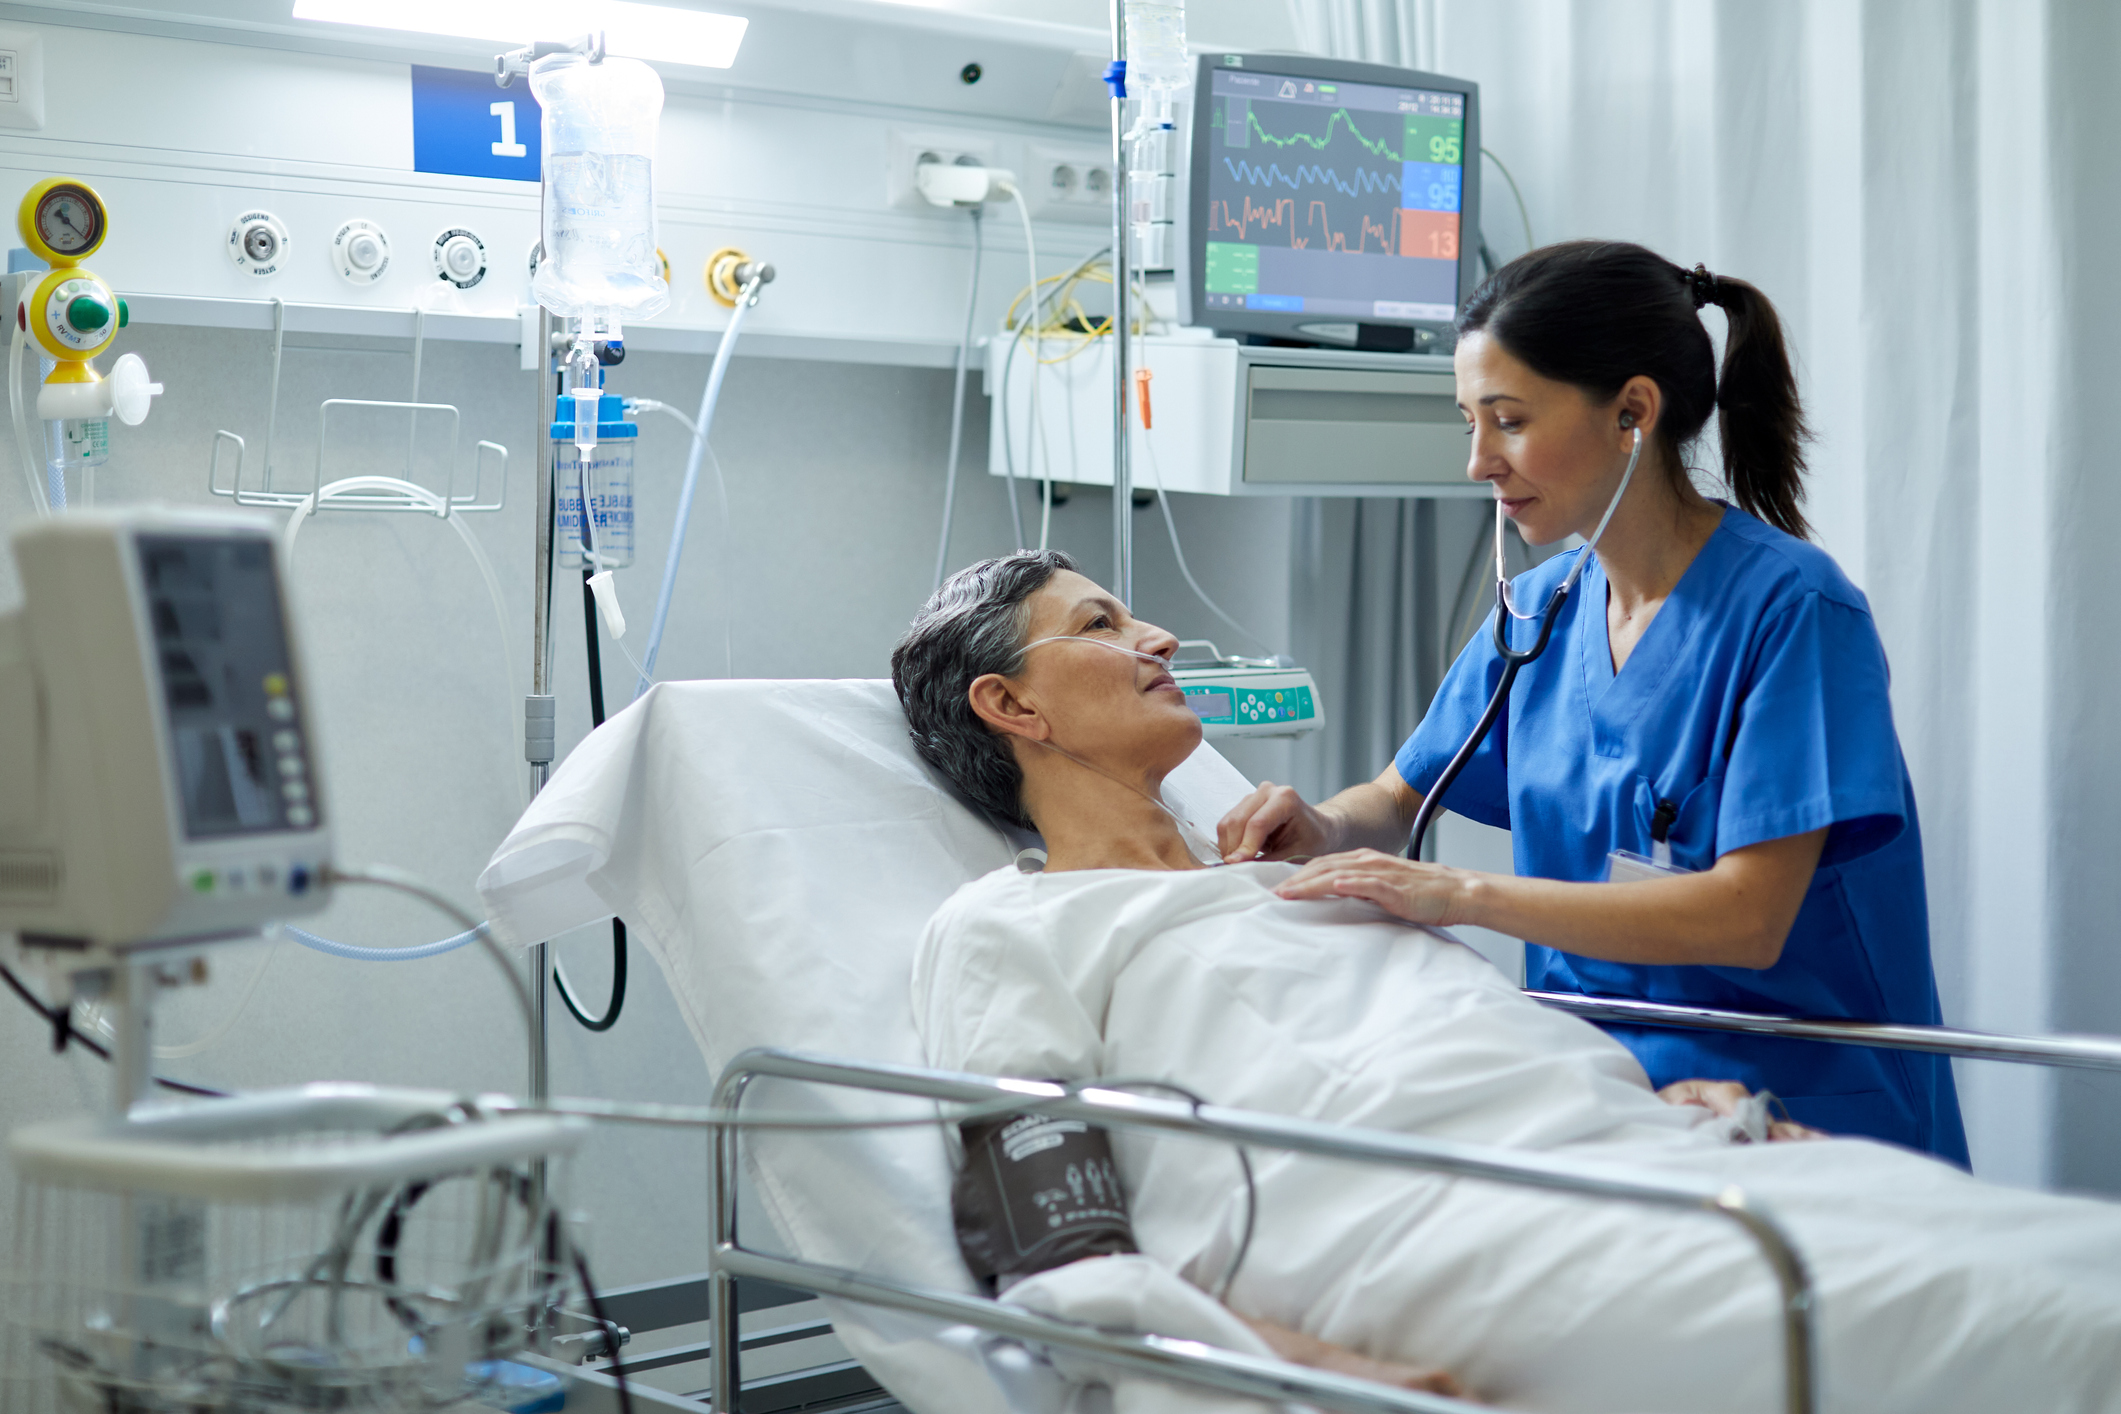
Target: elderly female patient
[1045,702]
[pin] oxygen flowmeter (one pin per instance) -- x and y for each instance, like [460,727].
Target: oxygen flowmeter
[72,315]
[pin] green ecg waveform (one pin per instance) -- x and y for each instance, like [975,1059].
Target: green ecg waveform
[1380,148]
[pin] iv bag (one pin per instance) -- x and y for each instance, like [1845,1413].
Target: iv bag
[1156,45]
[599,197]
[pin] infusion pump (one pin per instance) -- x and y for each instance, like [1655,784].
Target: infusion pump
[158,766]
[1239,697]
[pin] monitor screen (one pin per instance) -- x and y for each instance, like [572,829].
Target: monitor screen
[221,647]
[1320,199]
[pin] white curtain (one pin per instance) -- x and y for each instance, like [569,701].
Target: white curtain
[1926,189]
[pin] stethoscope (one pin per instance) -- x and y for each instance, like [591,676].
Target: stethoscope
[1515,658]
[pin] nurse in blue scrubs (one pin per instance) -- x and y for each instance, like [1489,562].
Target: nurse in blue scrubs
[1714,685]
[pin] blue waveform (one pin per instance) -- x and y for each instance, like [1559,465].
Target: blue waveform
[1366,181]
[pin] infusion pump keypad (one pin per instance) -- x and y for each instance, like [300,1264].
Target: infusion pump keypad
[1230,705]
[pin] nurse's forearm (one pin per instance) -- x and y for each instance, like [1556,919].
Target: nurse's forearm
[1375,815]
[1736,914]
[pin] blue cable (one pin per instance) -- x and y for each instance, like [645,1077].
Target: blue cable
[361,954]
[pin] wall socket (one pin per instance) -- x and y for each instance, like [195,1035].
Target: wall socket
[1068,184]
[21,78]
[908,150]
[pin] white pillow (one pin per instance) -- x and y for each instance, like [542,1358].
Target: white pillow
[779,848]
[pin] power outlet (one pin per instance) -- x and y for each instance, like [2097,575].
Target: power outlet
[1069,184]
[21,78]
[908,150]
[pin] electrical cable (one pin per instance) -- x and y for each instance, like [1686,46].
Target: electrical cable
[60,1020]
[1488,153]
[560,982]
[1244,1163]
[1063,287]
[710,396]
[1178,553]
[382,876]
[356,953]
[1037,440]
[957,402]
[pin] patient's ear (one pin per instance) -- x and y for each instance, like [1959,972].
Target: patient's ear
[999,704]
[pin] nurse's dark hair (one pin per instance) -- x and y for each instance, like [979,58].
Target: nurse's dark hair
[972,626]
[1597,313]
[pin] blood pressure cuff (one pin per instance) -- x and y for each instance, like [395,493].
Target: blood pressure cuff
[1036,1193]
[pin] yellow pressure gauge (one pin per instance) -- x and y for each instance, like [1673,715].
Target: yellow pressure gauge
[62,220]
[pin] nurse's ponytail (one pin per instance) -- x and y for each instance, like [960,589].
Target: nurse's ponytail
[1597,313]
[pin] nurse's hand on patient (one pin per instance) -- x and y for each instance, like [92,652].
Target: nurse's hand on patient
[1405,888]
[1722,1097]
[1273,822]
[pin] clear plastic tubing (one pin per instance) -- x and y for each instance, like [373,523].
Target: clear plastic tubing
[361,954]
[702,425]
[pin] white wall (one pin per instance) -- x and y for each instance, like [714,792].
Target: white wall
[835,485]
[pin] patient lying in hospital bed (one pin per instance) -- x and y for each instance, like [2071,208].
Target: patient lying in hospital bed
[1127,956]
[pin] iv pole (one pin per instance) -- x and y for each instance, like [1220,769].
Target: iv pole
[1122,320]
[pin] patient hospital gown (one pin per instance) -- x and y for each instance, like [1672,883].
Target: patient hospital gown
[1935,1292]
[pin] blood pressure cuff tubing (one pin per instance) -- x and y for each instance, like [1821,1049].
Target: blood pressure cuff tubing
[1036,1193]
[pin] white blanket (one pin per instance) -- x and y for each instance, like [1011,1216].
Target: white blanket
[1936,1293]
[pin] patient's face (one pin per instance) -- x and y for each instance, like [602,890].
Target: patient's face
[1124,713]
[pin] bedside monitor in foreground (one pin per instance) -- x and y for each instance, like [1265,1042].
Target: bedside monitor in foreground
[1331,203]
[159,780]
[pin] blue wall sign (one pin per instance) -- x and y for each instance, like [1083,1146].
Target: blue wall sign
[464,125]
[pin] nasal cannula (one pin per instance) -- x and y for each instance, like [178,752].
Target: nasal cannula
[1184,824]
[1514,658]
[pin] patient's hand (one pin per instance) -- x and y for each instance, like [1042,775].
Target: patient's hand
[1723,1097]
[1301,1349]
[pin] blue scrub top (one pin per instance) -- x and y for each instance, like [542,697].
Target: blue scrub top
[1756,702]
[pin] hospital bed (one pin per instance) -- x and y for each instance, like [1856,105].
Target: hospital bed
[779,848]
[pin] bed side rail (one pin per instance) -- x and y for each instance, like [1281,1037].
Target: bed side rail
[2084,1052]
[1190,1361]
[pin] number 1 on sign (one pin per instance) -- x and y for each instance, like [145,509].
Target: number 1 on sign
[507,146]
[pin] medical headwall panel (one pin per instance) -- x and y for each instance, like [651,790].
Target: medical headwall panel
[246,174]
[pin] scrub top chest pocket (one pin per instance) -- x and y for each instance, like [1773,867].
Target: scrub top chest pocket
[1680,833]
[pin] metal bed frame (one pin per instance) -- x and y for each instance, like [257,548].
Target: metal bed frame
[1193,1363]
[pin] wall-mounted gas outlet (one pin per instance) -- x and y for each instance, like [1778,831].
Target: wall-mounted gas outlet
[908,150]
[1068,184]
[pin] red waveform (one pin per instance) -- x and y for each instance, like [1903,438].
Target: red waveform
[1316,231]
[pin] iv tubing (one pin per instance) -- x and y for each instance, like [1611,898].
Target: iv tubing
[957,406]
[709,396]
[22,443]
[288,537]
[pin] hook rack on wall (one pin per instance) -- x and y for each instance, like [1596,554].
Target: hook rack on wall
[362,492]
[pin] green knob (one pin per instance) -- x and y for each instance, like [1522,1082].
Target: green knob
[125,316]
[87,313]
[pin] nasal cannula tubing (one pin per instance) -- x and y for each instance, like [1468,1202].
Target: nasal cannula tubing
[1097,770]
[1514,658]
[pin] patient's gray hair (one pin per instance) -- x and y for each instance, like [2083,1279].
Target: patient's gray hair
[974,625]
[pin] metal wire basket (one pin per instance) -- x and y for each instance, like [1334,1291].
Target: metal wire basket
[332,1248]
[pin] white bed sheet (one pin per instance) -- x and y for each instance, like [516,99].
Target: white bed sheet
[1936,1294]
[778,847]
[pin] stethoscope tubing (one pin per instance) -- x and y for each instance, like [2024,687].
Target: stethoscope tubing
[1514,658]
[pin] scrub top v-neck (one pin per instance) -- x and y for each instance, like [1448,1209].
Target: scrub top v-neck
[1756,704]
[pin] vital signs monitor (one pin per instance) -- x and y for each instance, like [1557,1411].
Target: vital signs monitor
[159,781]
[1331,202]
